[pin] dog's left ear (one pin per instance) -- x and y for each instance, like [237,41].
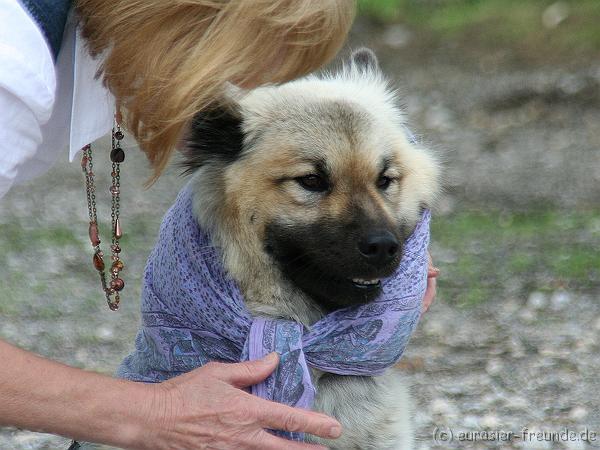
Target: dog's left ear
[364,60]
[213,136]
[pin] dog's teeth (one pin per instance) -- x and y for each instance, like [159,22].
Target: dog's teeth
[361,281]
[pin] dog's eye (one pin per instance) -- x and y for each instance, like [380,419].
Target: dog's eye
[384,182]
[313,183]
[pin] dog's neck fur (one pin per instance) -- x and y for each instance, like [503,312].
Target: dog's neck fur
[266,291]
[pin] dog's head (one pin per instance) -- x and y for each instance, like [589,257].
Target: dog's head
[316,177]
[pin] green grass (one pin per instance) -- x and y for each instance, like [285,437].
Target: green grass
[491,253]
[495,22]
[29,282]
[12,237]
[537,251]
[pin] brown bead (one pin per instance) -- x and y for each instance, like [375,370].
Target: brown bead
[93,233]
[117,155]
[98,262]
[118,265]
[84,162]
[118,232]
[117,284]
[114,304]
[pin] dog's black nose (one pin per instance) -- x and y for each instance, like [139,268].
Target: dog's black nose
[379,247]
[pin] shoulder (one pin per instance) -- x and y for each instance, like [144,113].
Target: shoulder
[28,92]
[28,67]
[51,18]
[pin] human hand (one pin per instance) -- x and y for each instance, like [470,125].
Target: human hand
[432,274]
[207,409]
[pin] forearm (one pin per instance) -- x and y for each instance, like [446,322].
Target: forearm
[42,395]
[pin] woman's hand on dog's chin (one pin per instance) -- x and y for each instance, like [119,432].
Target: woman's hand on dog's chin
[207,408]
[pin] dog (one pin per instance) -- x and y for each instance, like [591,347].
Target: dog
[310,189]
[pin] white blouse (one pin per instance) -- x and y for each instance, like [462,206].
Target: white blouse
[45,109]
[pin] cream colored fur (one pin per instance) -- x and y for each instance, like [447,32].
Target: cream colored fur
[234,201]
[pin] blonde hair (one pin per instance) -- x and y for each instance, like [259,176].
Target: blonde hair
[166,60]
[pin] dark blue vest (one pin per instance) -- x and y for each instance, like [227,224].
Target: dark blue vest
[51,17]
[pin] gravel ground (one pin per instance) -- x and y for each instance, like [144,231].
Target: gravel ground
[514,138]
[500,368]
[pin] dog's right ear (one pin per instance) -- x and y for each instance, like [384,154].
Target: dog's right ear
[213,136]
[364,60]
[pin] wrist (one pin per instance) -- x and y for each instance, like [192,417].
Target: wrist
[42,395]
[115,412]
[148,417]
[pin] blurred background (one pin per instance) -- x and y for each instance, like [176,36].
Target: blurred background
[508,93]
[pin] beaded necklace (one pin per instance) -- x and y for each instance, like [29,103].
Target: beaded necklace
[112,288]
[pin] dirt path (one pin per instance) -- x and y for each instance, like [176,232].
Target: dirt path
[512,136]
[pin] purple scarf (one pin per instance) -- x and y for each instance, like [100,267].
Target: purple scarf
[193,313]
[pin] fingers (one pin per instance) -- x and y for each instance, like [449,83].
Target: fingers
[246,373]
[272,415]
[429,294]
[270,442]
[433,272]
[276,416]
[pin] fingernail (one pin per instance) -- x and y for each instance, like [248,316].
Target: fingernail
[271,357]
[433,272]
[335,431]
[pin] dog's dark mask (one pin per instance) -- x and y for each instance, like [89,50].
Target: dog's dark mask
[337,264]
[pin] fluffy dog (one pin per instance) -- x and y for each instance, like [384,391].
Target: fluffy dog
[310,189]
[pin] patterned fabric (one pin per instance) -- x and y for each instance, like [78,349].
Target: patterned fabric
[193,313]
